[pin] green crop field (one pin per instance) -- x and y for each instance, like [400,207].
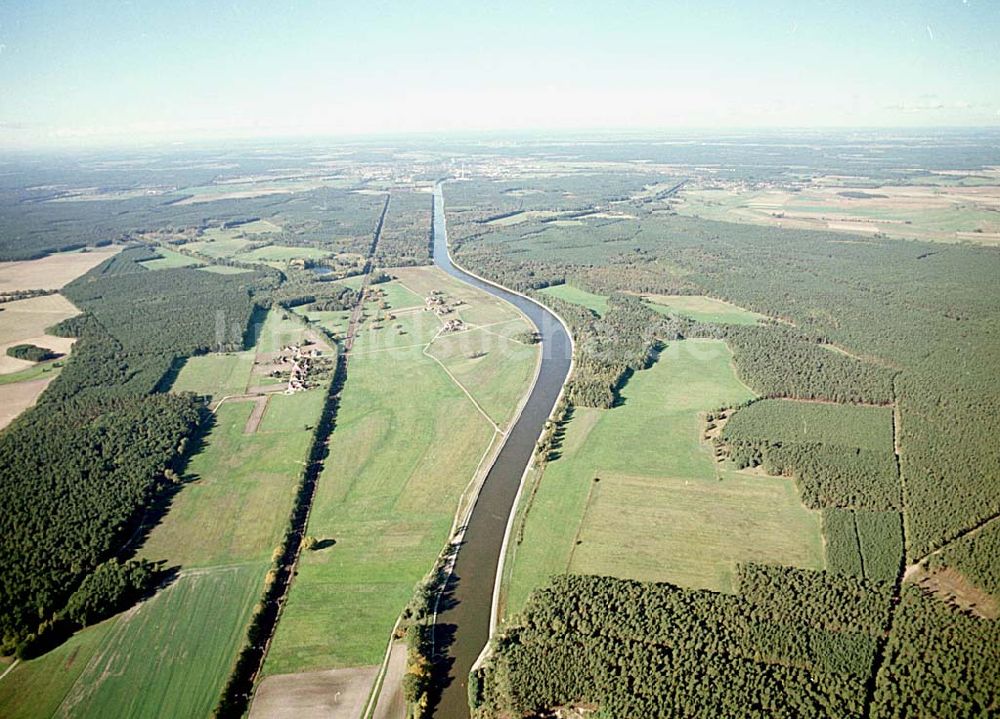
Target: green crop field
[702,309]
[173,654]
[169,259]
[37,688]
[661,508]
[569,293]
[216,375]
[398,296]
[278,329]
[779,420]
[39,371]
[407,442]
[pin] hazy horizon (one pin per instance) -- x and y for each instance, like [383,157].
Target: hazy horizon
[77,74]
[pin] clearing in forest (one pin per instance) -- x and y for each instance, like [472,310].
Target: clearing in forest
[571,293]
[703,309]
[637,494]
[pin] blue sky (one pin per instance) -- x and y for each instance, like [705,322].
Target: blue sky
[77,71]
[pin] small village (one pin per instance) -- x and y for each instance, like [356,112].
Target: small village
[298,359]
[438,303]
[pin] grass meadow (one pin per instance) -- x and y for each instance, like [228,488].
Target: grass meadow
[637,494]
[570,293]
[702,309]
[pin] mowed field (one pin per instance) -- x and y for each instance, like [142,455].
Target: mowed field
[170,259]
[571,293]
[637,494]
[407,442]
[171,655]
[702,309]
[25,322]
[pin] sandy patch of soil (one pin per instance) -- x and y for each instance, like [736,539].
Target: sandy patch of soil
[952,587]
[25,321]
[331,694]
[52,272]
[18,396]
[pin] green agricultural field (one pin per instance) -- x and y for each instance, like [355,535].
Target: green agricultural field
[569,293]
[240,486]
[702,309]
[637,494]
[489,365]
[782,420]
[37,688]
[170,259]
[280,328]
[407,443]
[398,296]
[171,656]
[216,375]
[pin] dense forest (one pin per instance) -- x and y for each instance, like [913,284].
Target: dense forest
[101,440]
[406,232]
[654,650]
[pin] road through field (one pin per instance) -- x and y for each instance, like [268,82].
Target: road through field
[463,622]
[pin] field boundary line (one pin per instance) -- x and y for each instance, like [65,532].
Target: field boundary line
[10,668]
[460,385]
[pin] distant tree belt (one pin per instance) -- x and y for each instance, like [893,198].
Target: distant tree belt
[641,649]
[321,296]
[329,218]
[14,295]
[32,353]
[76,469]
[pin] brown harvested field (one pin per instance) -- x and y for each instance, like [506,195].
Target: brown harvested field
[253,421]
[331,694]
[52,272]
[950,586]
[25,321]
[391,703]
[18,396]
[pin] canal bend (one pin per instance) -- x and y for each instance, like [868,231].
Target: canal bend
[463,623]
